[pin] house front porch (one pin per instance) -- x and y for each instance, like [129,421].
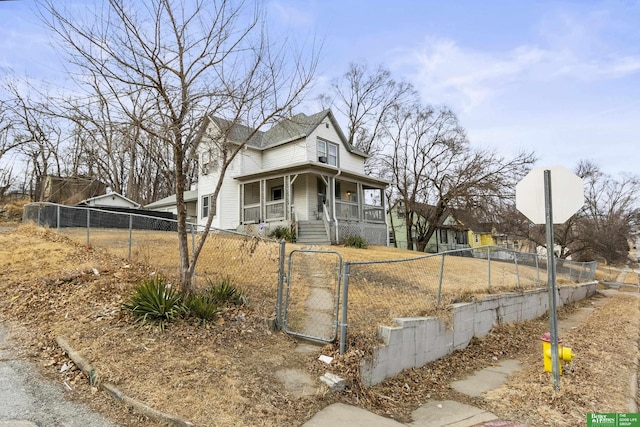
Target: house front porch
[345,204]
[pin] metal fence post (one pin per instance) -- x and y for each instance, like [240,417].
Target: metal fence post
[537,269]
[515,260]
[39,209]
[88,227]
[193,239]
[440,280]
[58,218]
[281,276]
[345,304]
[489,266]
[130,234]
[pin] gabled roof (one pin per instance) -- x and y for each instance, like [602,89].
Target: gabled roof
[291,129]
[106,196]
[469,221]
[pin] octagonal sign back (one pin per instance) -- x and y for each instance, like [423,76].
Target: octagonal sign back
[567,194]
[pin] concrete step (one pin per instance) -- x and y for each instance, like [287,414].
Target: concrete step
[312,232]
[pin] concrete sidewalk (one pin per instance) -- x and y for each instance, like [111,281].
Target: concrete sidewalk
[435,413]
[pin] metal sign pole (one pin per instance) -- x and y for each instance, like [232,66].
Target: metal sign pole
[551,285]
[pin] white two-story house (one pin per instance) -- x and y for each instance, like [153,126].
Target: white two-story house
[300,173]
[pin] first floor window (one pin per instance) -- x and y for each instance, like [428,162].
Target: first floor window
[206,205]
[277,193]
[444,238]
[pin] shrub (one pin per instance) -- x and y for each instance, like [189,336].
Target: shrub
[282,232]
[223,292]
[156,301]
[203,307]
[356,242]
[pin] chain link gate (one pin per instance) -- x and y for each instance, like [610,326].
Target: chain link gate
[312,301]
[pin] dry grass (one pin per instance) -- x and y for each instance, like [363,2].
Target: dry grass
[377,292]
[221,374]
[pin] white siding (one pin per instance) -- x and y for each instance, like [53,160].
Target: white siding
[347,160]
[228,217]
[300,199]
[227,210]
[112,200]
[284,155]
[250,161]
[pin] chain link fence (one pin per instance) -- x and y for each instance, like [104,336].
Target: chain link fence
[251,263]
[379,291]
[374,292]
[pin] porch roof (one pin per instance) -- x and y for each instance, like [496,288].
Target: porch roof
[313,167]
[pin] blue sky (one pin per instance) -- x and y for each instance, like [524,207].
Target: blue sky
[561,78]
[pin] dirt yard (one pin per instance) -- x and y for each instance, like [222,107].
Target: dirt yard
[223,374]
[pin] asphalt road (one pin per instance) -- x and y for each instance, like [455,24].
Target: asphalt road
[26,396]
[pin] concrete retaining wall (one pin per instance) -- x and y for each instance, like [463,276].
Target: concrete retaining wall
[414,342]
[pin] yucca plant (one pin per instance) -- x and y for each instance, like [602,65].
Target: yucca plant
[154,300]
[203,307]
[223,292]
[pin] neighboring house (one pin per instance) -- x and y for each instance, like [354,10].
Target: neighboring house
[302,173]
[480,233]
[507,241]
[168,204]
[67,190]
[450,234]
[110,200]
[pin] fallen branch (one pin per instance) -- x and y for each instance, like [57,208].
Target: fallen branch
[80,361]
[111,389]
[143,408]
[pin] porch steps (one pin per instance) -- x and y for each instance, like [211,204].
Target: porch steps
[312,232]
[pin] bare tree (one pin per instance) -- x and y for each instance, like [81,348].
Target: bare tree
[600,230]
[35,133]
[365,98]
[604,224]
[167,64]
[432,163]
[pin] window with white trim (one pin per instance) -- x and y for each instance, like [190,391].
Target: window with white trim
[327,152]
[206,206]
[277,193]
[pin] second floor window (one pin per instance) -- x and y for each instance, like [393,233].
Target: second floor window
[327,152]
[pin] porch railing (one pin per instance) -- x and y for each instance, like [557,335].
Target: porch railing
[251,213]
[373,213]
[275,210]
[347,211]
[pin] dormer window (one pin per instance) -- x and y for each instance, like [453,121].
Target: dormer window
[327,152]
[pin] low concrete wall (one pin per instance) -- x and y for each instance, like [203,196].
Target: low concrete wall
[414,342]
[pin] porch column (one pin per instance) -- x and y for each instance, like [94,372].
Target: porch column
[285,197]
[263,199]
[241,204]
[360,202]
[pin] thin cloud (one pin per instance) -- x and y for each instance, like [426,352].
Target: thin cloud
[291,16]
[444,71]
